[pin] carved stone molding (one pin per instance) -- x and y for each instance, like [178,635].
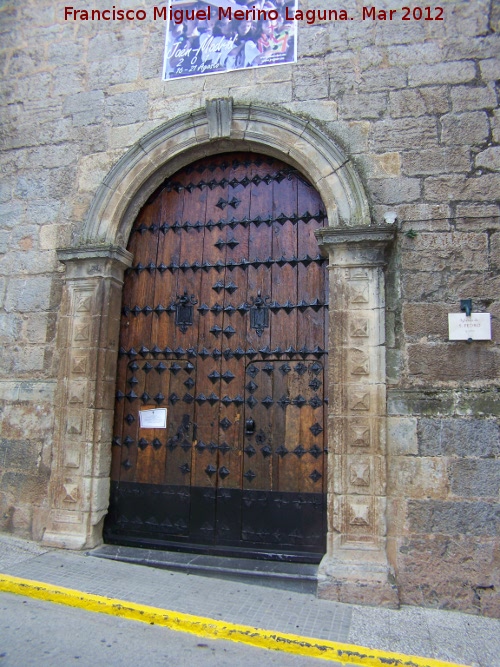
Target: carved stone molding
[220,126]
[220,116]
[356,567]
[88,342]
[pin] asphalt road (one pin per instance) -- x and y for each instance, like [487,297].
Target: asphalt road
[43,634]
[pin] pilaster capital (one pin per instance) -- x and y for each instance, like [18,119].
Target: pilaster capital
[364,245]
[95,261]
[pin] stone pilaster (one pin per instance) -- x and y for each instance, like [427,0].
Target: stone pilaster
[88,342]
[355,567]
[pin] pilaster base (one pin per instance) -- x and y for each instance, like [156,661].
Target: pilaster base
[69,530]
[357,583]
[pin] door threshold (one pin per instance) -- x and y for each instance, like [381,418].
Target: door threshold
[298,577]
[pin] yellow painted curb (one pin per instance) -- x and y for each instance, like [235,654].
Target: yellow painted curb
[213,629]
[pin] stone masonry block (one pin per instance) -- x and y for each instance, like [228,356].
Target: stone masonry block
[415,477]
[402,436]
[454,518]
[426,319]
[403,134]
[311,81]
[417,53]
[490,69]
[475,477]
[471,127]
[489,159]
[457,187]
[436,251]
[28,294]
[435,161]
[473,98]
[441,73]
[395,190]
[382,79]
[127,108]
[407,102]
[458,437]
[86,108]
[381,165]
[453,362]
[363,105]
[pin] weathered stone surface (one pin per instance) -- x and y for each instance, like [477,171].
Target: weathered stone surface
[426,320]
[402,436]
[439,73]
[85,108]
[471,98]
[310,81]
[489,158]
[450,572]
[28,294]
[127,108]
[475,477]
[403,134]
[458,437]
[435,161]
[457,361]
[456,187]
[395,190]
[471,127]
[454,517]
[418,477]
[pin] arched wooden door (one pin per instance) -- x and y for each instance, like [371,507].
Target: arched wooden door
[224,324]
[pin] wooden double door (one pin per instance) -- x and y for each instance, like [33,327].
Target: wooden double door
[224,324]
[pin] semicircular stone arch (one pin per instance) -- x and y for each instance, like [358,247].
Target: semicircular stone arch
[223,127]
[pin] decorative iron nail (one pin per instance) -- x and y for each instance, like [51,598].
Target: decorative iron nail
[130,419]
[156,444]
[315,451]
[126,464]
[250,475]
[251,402]
[210,470]
[142,444]
[299,451]
[316,429]
[224,448]
[267,402]
[159,398]
[315,476]
[225,423]
[249,451]
[185,469]
[223,472]
[212,399]
[266,451]
[238,400]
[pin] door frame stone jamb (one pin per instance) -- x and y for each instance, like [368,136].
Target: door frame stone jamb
[88,329]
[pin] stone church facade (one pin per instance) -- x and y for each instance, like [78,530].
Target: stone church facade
[396,126]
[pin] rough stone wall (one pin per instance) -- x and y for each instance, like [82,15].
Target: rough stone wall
[415,106]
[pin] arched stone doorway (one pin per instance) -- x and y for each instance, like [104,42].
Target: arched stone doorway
[355,566]
[223,328]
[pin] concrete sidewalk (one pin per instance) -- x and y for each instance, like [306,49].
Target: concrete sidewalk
[443,635]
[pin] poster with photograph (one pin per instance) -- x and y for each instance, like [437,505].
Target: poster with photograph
[210,36]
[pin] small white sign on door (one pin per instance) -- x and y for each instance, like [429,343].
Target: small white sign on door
[477,326]
[156,418]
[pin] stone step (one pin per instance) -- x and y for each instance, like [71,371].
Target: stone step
[298,577]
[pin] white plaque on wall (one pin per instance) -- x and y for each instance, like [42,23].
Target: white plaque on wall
[477,326]
[156,418]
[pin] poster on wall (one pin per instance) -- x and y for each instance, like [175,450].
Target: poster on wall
[211,36]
